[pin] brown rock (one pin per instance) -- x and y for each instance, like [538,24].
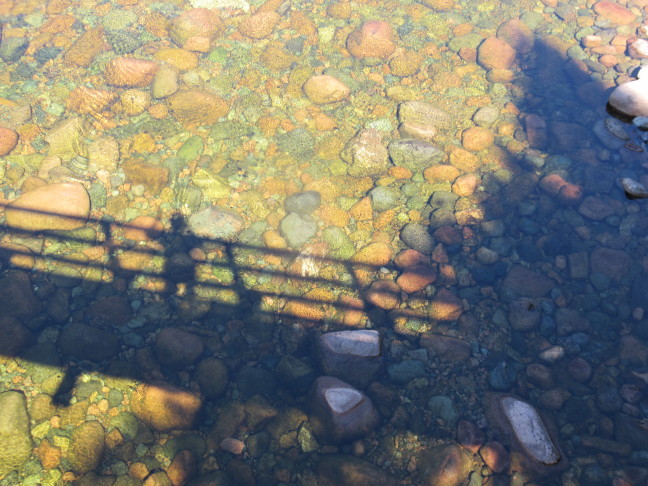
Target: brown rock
[470,436]
[569,321]
[177,348]
[384,294]
[153,177]
[579,369]
[536,131]
[614,13]
[182,468]
[517,34]
[554,399]
[18,299]
[417,277]
[613,263]
[87,445]
[49,455]
[14,337]
[476,139]
[62,206]
[86,101]
[446,465]
[540,375]
[165,407]
[143,228]
[325,89]
[212,376]
[495,456]
[446,348]
[195,107]
[410,258]
[16,256]
[196,29]
[445,306]
[466,185]
[633,350]
[374,38]
[8,140]
[130,72]
[110,311]
[495,53]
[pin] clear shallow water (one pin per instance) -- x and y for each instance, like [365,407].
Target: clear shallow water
[528,276]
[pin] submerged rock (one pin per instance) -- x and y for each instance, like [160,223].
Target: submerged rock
[340,413]
[366,154]
[533,444]
[631,98]
[354,356]
[633,189]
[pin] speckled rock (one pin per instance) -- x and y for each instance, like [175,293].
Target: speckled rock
[374,38]
[259,25]
[340,413]
[61,206]
[303,202]
[418,237]
[324,89]
[15,435]
[406,64]
[195,107]
[215,223]
[366,154]
[87,445]
[414,154]
[165,407]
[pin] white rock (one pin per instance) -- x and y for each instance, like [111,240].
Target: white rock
[341,400]
[631,98]
[221,4]
[529,429]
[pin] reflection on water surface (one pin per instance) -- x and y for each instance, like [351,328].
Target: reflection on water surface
[321,243]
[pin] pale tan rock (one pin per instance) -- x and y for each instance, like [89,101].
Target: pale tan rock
[374,38]
[325,89]
[63,206]
[165,407]
[259,25]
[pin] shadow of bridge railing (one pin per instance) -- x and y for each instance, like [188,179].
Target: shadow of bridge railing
[222,280]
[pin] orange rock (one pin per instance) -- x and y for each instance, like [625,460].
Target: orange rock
[375,254]
[89,101]
[374,38]
[495,53]
[130,72]
[49,455]
[165,407]
[86,47]
[362,210]
[440,173]
[183,59]
[466,185]
[476,139]
[445,306]
[8,140]
[259,25]
[384,294]
[63,206]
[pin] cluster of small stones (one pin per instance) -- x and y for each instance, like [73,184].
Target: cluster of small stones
[222,184]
